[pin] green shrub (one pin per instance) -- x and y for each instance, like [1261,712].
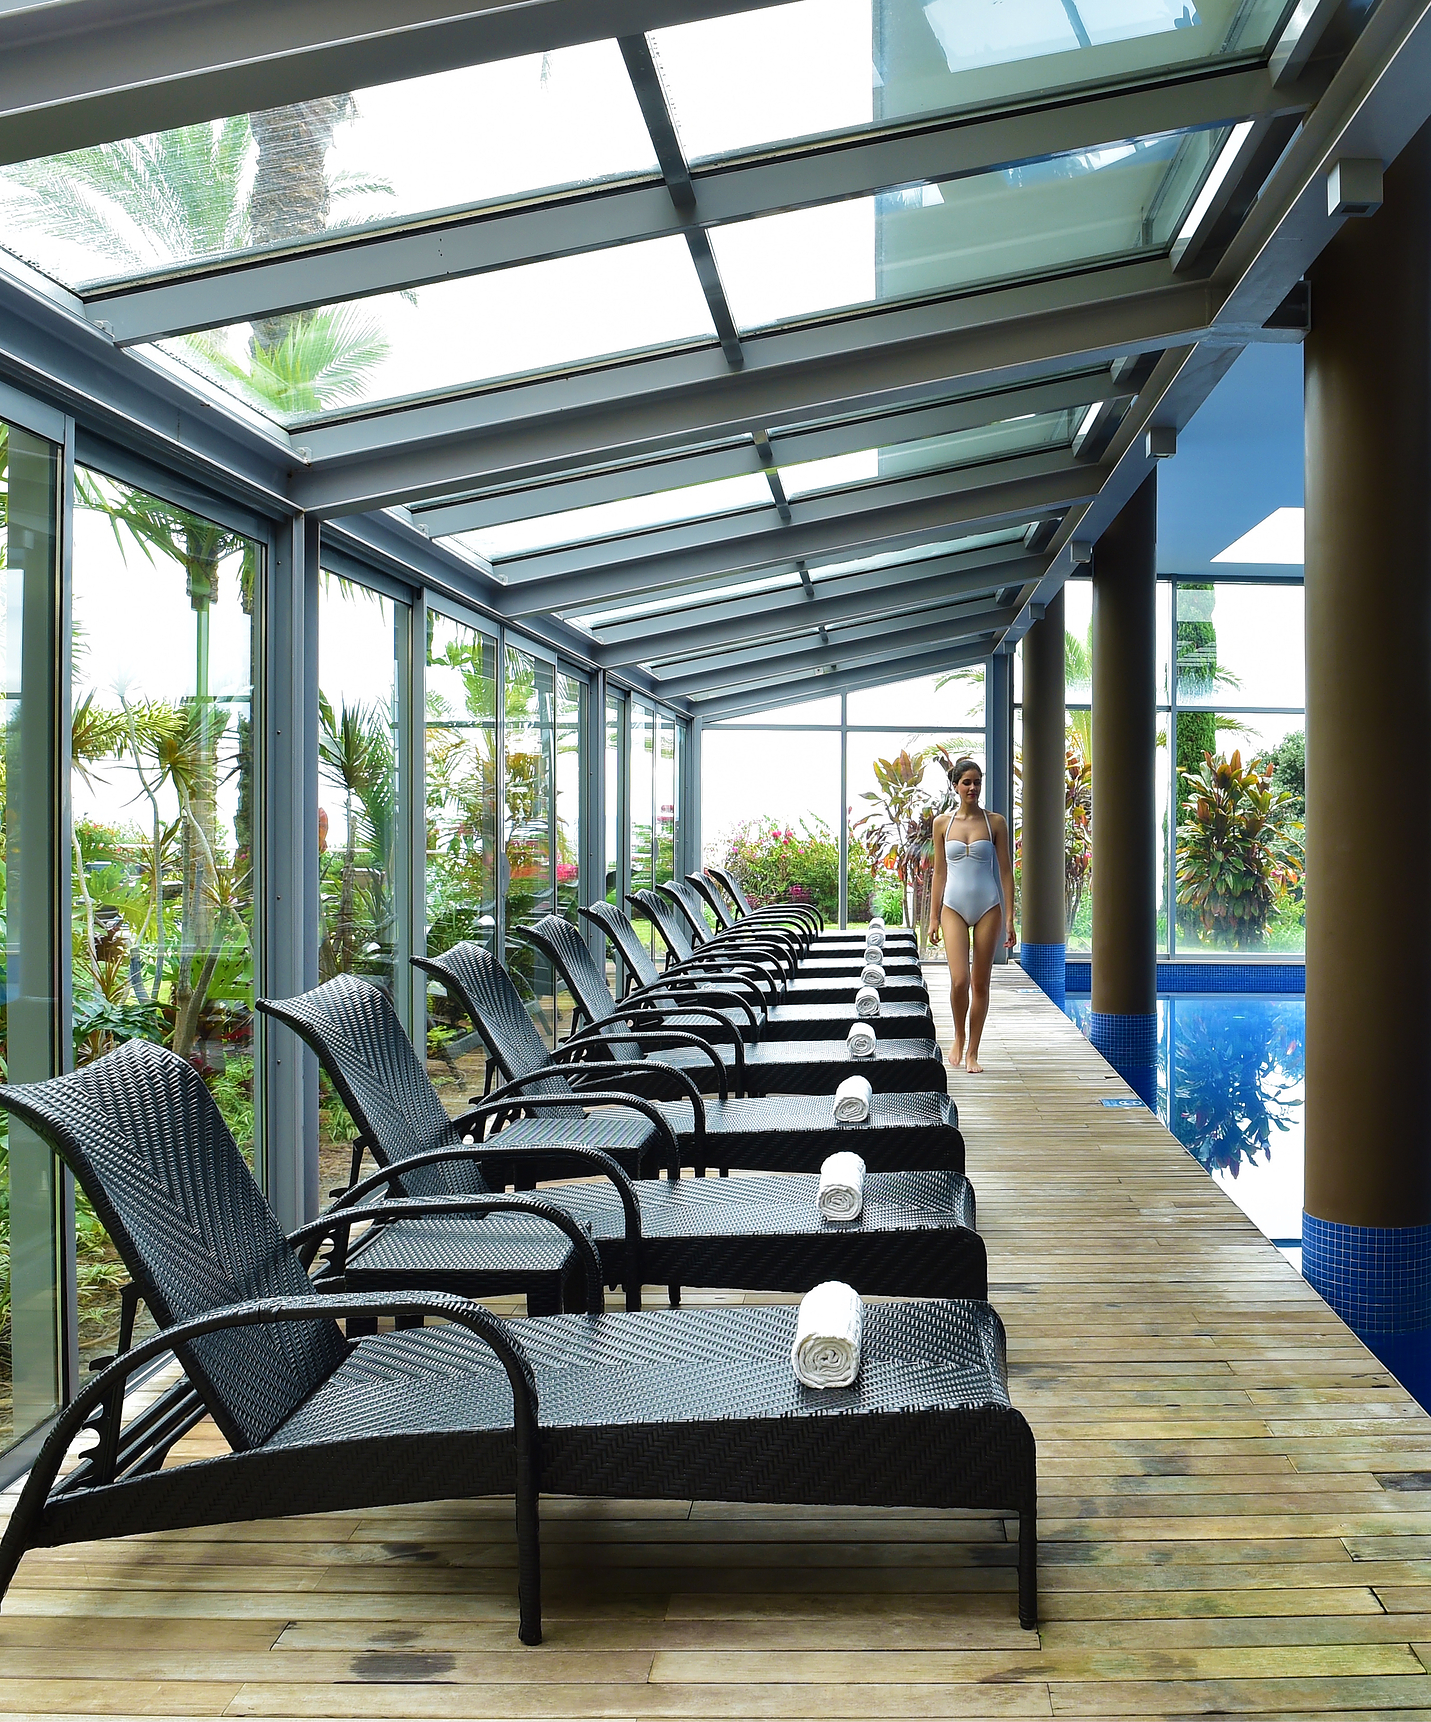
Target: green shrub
[776,863]
[1239,850]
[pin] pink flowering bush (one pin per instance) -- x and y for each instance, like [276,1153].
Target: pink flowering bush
[778,863]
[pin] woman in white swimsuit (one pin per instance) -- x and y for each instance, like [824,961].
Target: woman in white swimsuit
[973,888]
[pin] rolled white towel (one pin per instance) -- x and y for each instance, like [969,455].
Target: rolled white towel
[875,937]
[829,1330]
[867,1002]
[872,975]
[860,1040]
[842,1187]
[853,1099]
[877,921]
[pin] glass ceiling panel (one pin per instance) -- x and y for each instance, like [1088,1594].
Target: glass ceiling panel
[688,600]
[920,553]
[787,73]
[394,152]
[1021,435]
[457,334]
[608,519]
[1120,201]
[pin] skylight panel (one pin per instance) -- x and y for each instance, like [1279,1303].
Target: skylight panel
[1022,435]
[228,188]
[456,335]
[1277,539]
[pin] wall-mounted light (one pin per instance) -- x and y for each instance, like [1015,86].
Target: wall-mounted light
[1161,442]
[1354,186]
[1081,552]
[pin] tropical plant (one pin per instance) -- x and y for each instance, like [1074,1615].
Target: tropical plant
[355,754]
[1289,769]
[1239,849]
[898,834]
[1077,824]
[778,863]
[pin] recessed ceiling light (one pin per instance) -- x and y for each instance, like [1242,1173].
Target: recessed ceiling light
[1278,538]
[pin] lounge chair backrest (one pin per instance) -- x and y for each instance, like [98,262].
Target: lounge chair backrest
[564,945]
[487,993]
[143,1137]
[723,876]
[688,902]
[630,946]
[710,894]
[667,923]
[354,1029]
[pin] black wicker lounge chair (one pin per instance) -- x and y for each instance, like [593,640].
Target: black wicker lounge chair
[677,1405]
[915,1239]
[907,1065]
[907,1017]
[848,961]
[770,1133]
[802,988]
[827,939]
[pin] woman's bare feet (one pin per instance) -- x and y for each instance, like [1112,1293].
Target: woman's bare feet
[956,1055]
[972,1065]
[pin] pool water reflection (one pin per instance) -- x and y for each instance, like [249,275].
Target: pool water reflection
[1231,1069]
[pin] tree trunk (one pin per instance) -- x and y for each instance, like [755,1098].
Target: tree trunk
[291,196]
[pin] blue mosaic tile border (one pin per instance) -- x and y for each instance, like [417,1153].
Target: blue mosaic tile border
[1377,1278]
[1046,965]
[1130,1044]
[1201,977]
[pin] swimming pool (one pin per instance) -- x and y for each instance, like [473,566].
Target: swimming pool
[1231,1070]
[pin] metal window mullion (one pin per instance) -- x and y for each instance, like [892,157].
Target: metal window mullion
[844,825]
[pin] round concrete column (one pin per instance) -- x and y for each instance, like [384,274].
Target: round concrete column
[1042,930]
[1125,885]
[1367,1229]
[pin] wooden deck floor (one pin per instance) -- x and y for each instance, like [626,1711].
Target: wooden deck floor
[1231,1519]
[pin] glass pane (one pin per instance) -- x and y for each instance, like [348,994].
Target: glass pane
[30,1298]
[571,705]
[359,641]
[954,700]
[1022,435]
[1164,626]
[919,553]
[1078,855]
[1241,643]
[162,792]
[1271,916]
[770,804]
[460,757]
[456,334]
[825,711]
[688,599]
[641,782]
[1119,200]
[893,822]
[255,181]
[1078,639]
[608,519]
[665,812]
[611,876]
[793,72]
[528,825]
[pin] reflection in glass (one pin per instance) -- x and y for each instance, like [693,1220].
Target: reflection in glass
[162,794]
[1121,200]
[793,72]
[528,816]
[641,790]
[236,186]
[31,1325]
[460,758]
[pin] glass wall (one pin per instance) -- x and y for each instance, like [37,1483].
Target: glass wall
[771,793]
[640,796]
[528,824]
[571,720]
[1230,684]
[33,1342]
[162,795]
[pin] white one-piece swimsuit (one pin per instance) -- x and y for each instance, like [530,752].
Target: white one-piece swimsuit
[972,887]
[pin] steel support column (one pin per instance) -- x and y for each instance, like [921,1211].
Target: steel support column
[1125,990]
[1043,942]
[1366,1238]
[999,747]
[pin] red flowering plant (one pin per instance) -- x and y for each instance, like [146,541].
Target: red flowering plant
[778,863]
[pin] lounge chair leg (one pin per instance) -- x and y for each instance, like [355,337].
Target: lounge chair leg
[673,1296]
[529,1553]
[360,1326]
[1028,1565]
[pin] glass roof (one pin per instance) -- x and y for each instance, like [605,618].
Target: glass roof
[1120,201]
[608,519]
[458,334]
[687,600]
[1021,435]
[394,152]
[787,73]
[921,552]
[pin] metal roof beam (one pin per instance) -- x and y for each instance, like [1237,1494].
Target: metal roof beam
[912,354]
[397,257]
[816,684]
[880,644]
[80,72]
[853,599]
[739,459]
[1002,502]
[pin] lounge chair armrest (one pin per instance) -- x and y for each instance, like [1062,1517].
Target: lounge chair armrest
[667,1037]
[509,1098]
[587,1097]
[671,991]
